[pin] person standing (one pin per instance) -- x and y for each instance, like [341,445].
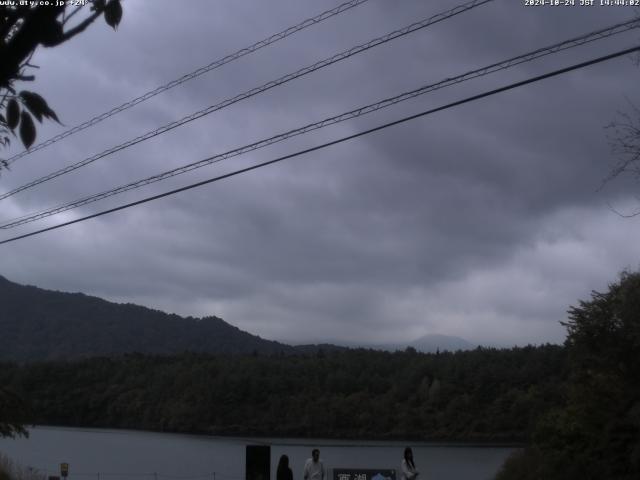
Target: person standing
[408,467]
[313,467]
[284,472]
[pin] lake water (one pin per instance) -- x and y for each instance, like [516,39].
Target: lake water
[133,455]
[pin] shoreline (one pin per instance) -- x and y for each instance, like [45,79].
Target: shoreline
[346,442]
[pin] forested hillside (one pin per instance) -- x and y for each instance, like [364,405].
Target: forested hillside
[484,394]
[38,324]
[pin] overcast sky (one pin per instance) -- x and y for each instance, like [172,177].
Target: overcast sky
[484,221]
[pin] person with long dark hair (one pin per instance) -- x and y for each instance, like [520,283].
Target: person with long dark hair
[284,471]
[408,467]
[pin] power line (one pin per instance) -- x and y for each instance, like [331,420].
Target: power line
[194,74]
[527,57]
[257,90]
[334,142]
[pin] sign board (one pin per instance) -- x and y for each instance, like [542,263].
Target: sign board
[64,469]
[257,462]
[363,474]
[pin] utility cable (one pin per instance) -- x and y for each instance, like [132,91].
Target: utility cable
[527,57]
[334,142]
[194,74]
[255,91]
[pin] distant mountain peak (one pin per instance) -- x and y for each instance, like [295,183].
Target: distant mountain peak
[432,342]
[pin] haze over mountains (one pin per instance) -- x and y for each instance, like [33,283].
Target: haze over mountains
[432,343]
[38,324]
[429,343]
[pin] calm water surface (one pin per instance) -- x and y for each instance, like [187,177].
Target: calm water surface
[133,455]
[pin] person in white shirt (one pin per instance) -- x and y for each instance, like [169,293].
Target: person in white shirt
[408,468]
[313,467]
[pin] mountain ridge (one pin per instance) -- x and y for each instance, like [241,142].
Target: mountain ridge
[38,324]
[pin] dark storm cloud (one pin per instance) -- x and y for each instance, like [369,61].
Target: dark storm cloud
[481,221]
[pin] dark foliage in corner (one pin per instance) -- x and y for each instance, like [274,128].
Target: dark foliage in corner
[24,28]
[595,433]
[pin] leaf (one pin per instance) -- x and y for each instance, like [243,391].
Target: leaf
[13,113]
[51,33]
[2,119]
[35,103]
[98,5]
[51,114]
[113,13]
[27,129]
[38,106]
